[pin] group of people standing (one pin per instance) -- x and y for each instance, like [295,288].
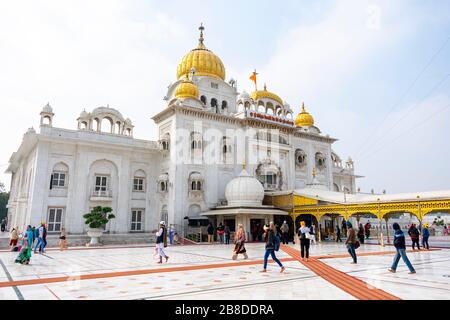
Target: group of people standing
[34,238]
[223,233]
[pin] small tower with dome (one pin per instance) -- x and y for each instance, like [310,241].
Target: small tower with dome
[47,115]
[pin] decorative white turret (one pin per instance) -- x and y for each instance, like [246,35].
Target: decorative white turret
[244,190]
[47,115]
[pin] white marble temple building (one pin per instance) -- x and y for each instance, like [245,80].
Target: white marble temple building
[206,133]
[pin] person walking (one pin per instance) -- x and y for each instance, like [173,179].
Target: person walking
[338,234]
[44,238]
[14,237]
[161,241]
[425,236]
[220,232]
[239,241]
[270,239]
[304,236]
[313,235]
[34,231]
[62,239]
[361,233]
[210,231]
[25,254]
[285,232]
[227,233]
[344,226]
[40,239]
[414,234]
[400,247]
[351,240]
[367,227]
[3,225]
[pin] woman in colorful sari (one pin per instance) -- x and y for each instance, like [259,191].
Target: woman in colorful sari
[239,241]
[25,254]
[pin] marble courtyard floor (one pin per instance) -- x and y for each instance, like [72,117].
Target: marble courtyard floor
[207,272]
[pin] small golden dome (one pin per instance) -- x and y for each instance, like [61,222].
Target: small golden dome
[205,62]
[265,94]
[186,89]
[304,119]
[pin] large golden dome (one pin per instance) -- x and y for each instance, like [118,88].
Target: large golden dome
[186,89]
[265,94]
[304,119]
[205,62]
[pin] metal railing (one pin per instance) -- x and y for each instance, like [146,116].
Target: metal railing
[101,193]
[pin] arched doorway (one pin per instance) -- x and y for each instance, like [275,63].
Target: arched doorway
[310,220]
[278,220]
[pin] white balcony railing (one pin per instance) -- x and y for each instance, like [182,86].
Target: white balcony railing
[270,186]
[101,193]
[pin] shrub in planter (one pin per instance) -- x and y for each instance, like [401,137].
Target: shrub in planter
[98,217]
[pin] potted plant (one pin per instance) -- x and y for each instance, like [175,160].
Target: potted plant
[97,219]
[438,224]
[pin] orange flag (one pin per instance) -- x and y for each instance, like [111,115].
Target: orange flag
[253,77]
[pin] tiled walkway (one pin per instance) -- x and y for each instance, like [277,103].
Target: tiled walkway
[207,272]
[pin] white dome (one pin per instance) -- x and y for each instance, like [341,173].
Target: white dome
[84,114]
[47,109]
[244,190]
[244,96]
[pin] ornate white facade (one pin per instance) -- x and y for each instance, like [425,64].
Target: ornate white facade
[206,133]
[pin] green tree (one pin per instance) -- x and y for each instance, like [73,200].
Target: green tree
[4,197]
[98,217]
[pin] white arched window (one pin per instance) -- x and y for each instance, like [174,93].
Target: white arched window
[300,157]
[107,125]
[139,181]
[59,177]
[320,160]
[163,182]
[196,141]
[269,174]
[165,142]
[195,182]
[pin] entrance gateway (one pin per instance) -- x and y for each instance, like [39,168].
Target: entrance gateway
[244,196]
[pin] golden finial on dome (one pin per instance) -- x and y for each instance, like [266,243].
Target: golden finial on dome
[304,119]
[265,87]
[205,62]
[200,40]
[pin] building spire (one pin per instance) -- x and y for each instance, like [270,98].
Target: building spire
[200,40]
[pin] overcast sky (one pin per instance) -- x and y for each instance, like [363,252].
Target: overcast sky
[374,74]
